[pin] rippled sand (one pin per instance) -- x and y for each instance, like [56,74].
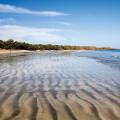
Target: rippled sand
[58,87]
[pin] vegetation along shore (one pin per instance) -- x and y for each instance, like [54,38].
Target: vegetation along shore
[11,44]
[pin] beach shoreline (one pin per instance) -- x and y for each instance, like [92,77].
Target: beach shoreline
[3,51]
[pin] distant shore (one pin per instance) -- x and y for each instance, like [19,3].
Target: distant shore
[3,51]
[15,45]
[13,51]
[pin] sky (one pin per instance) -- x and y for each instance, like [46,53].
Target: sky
[67,22]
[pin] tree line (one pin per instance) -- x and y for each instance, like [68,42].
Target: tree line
[11,44]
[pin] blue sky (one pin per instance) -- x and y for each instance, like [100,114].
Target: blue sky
[74,22]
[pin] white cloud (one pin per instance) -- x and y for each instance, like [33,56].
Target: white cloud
[34,35]
[6,8]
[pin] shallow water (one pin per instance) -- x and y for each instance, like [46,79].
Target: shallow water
[110,57]
[80,83]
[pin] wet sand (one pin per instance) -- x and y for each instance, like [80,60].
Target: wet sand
[58,87]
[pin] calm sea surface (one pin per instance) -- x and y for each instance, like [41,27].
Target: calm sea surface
[60,69]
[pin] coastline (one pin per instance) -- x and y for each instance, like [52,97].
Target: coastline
[3,51]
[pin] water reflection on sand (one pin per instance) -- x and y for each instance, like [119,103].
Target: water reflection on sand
[53,86]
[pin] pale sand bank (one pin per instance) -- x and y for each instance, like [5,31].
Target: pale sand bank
[41,51]
[13,51]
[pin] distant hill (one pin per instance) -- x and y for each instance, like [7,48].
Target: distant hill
[11,44]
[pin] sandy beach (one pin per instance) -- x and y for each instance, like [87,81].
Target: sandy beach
[59,59]
[2,51]
[40,87]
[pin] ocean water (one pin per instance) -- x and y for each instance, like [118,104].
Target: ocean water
[108,57]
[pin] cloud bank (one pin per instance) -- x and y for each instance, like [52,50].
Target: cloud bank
[33,35]
[6,8]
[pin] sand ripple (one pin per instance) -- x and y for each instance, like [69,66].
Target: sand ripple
[58,87]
